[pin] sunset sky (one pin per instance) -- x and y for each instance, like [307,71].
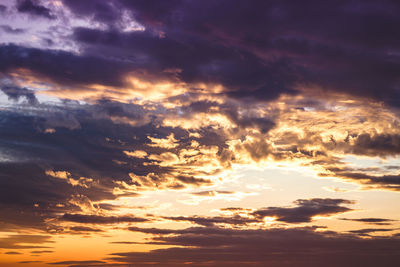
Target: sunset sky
[226,133]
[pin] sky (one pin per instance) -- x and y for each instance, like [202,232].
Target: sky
[199,133]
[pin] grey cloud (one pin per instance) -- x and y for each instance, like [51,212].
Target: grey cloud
[378,221]
[97,219]
[305,210]
[9,29]
[14,93]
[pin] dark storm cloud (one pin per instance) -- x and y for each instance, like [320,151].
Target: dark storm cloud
[262,48]
[15,93]
[274,247]
[305,210]
[63,67]
[86,142]
[76,146]
[259,49]
[33,7]
[376,145]
[83,142]
[209,62]
[98,219]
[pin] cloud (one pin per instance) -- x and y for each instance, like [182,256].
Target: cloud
[12,253]
[258,247]
[75,262]
[97,219]
[3,8]
[11,30]
[385,181]
[377,145]
[177,94]
[304,212]
[211,221]
[306,209]
[75,156]
[378,221]
[41,251]
[258,52]
[24,241]
[84,229]
[367,231]
[15,93]
[63,67]
[32,7]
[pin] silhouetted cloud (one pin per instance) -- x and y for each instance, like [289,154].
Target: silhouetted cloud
[75,262]
[210,221]
[41,251]
[367,231]
[12,253]
[273,247]
[24,241]
[305,210]
[84,229]
[97,219]
[378,221]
